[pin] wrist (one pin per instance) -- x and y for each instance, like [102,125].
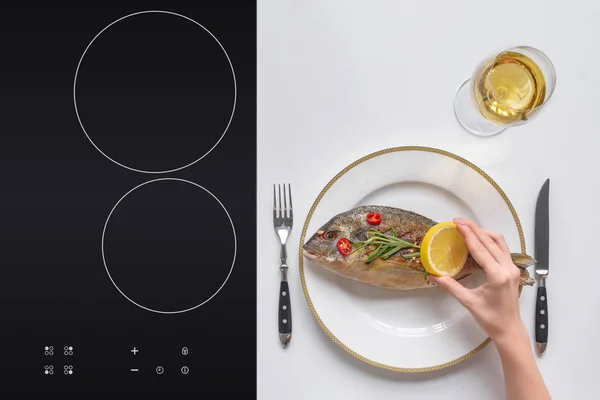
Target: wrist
[512,337]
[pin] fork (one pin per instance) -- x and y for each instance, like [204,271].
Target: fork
[283,218]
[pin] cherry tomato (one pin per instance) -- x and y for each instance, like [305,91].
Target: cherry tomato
[374,218]
[344,246]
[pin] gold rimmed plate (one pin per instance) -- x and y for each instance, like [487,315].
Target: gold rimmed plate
[406,331]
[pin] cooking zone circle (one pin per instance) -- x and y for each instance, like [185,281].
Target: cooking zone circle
[155,91]
[169,245]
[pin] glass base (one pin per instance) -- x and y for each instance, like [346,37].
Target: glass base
[468,115]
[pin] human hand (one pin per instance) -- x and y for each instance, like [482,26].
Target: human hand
[495,304]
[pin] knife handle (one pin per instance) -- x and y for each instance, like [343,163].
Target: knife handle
[541,316]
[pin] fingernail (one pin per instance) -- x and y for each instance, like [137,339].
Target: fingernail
[459,221]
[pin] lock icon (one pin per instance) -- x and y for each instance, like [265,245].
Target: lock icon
[184,351]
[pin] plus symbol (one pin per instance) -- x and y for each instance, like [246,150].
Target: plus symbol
[134,351]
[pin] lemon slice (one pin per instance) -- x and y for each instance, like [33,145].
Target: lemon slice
[443,250]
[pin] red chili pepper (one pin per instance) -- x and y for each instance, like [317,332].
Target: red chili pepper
[374,218]
[344,246]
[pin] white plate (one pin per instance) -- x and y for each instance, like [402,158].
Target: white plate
[407,331]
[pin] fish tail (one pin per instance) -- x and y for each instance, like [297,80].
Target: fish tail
[523,261]
[525,278]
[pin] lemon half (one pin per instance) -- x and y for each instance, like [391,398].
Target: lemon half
[443,250]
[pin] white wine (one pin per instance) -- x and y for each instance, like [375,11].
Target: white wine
[508,88]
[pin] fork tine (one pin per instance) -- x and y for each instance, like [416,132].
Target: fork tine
[274,203]
[280,209]
[290,193]
[285,209]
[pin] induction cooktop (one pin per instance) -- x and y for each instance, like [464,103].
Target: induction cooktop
[128,170]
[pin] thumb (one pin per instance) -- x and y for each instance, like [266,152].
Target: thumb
[451,286]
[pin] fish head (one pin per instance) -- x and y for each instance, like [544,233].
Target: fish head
[322,246]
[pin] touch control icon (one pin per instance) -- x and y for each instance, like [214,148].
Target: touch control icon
[160,370]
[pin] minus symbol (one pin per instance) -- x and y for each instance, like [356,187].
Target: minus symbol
[134,370]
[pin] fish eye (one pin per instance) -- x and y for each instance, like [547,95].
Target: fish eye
[330,235]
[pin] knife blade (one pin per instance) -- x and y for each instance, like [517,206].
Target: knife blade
[542,250]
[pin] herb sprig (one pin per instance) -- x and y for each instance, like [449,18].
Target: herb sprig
[387,245]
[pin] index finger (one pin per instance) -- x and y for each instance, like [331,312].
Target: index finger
[487,241]
[478,251]
[498,238]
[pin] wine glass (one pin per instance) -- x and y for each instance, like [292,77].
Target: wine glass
[506,89]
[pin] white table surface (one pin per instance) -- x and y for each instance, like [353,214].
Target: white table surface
[340,79]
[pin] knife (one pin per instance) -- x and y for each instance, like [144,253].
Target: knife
[542,246]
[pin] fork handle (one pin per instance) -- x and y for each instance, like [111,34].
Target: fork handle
[283,257]
[285,309]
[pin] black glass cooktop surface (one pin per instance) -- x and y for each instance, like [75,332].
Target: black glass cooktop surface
[128,170]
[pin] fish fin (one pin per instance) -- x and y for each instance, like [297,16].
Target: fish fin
[525,278]
[522,261]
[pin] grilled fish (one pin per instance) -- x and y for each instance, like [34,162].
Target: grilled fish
[341,246]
